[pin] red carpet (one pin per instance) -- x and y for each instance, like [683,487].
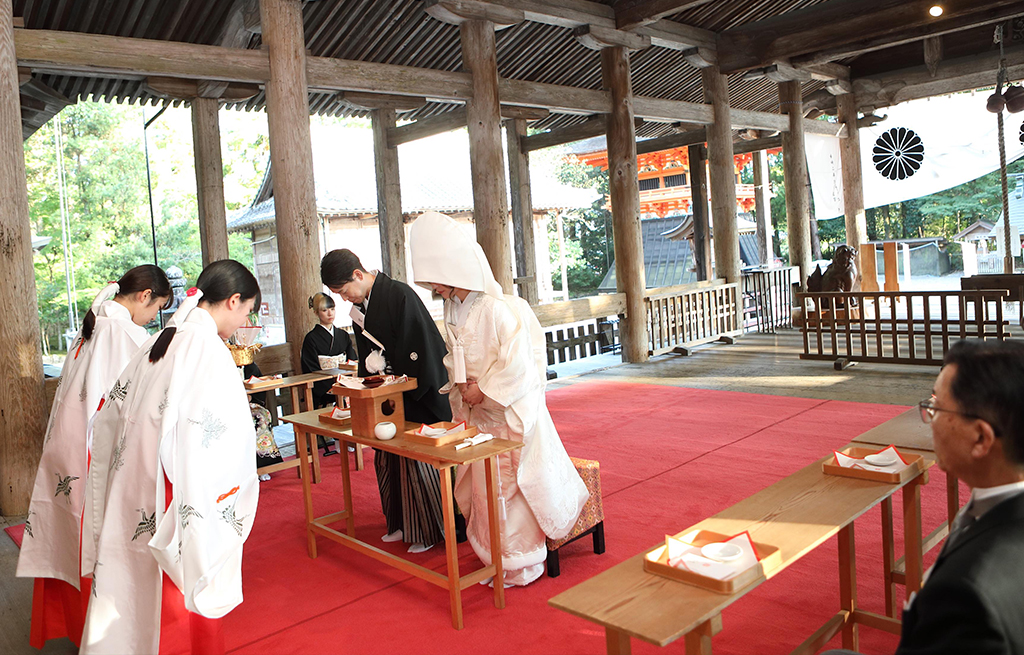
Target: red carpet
[16,533]
[669,457]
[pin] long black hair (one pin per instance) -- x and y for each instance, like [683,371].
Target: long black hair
[218,282]
[137,279]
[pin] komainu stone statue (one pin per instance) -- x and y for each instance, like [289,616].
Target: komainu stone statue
[840,275]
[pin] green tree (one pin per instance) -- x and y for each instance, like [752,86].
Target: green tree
[590,247]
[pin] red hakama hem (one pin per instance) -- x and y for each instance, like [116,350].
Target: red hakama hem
[205,636]
[58,610]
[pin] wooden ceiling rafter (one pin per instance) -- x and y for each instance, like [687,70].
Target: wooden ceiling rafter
[839,28]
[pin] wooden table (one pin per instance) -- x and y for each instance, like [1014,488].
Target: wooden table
[910,434]
[442,458]
[796,514]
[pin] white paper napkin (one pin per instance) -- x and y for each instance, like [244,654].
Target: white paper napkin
[472,441]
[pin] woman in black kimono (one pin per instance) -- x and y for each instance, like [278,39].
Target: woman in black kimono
[324,339]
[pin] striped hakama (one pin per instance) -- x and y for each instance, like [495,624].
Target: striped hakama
[410,495]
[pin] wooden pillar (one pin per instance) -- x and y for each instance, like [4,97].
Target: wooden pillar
[487,161]
[213,223]
[522,210]
[794,162]
[291,155]
[624,188]
[697,157]
[22,399]
[389,196]
[763,207]
[722,176]
[853,182]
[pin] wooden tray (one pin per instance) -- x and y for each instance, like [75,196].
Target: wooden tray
[325,417]
[470,431]
[656,561]
[384,390]
[914,466]
[262,384]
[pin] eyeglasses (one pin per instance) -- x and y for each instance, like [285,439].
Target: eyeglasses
[928,410]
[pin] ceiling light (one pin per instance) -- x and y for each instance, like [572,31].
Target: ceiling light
[935,10]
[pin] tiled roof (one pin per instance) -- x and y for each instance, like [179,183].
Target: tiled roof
[434,174]
[668,262]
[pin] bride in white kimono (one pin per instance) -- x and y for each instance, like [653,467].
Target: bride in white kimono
[172,491]
[111,333]
[496,363]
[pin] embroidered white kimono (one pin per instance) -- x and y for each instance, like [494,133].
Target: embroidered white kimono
[185,417]
[501,345]
[52,531]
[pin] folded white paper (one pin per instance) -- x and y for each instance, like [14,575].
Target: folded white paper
[340,413]
[429,431]
[472,441]
[684,555]
[846,462]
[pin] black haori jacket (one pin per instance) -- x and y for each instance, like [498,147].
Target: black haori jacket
[412,346]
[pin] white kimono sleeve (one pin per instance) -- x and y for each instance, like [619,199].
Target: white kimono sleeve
[208,456]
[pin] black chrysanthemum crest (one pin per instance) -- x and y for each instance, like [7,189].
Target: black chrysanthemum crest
[898,153]
[1022,133]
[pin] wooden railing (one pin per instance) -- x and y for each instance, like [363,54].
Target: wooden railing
[581,328]
[768,299]
[909,327]
[684,316]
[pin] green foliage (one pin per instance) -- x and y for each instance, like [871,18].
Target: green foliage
[587,233]
[107,200]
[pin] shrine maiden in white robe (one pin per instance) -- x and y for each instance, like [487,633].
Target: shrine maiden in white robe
[185,417]
[53,528]
[502,347]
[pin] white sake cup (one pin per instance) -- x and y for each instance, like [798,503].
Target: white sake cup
[385,430]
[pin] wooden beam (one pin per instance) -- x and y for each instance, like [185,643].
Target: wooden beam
[624,189]
[425,127]
[24,75]
[932,53]
[368,101]
[23,411]
[486,159]
[636,13]
[756,145]
[213,223]
[763,207]
[522,210]
[678,140]
[291,156]
[697,155]
[457,12]
[233,34]
[839,87]
[593,126]
[127,58]
[840,28]
[390,221]
[781,72]
[953,23]
[574,13]
[722,177]
[178,88]
[853,182]
[952,76]
[827,71]
[794,162]
[598,38]
[513,112]
[700,57]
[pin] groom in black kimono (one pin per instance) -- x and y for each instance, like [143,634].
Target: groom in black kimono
[395,332]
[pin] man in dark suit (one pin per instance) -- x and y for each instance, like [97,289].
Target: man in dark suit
[972,601]
[395,334]
[973,597]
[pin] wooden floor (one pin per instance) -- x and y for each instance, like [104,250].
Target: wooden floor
[756,363]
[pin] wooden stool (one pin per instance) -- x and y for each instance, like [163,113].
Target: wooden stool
[591,520]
